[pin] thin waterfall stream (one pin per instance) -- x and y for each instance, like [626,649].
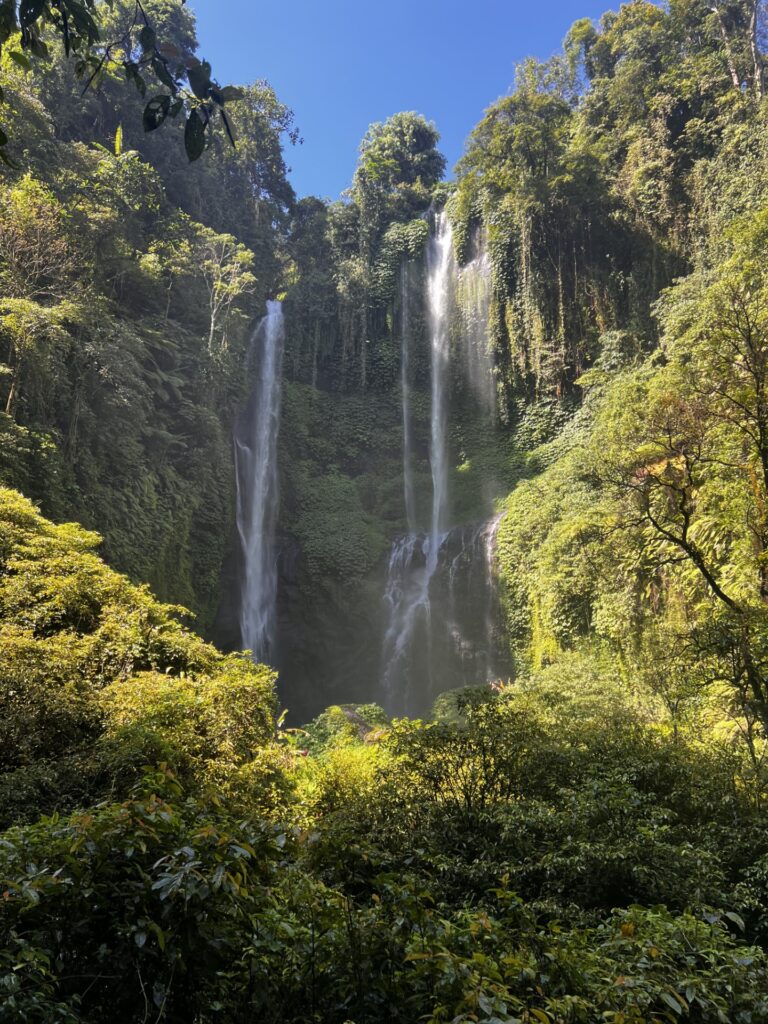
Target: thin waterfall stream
[473,294]
[257,493]
[407,285]
[440,267]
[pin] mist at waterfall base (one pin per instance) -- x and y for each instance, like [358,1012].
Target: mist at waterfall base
[432,621]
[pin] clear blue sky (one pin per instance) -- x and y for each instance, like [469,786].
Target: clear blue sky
[341,64]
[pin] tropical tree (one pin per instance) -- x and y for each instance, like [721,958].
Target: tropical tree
[399,166]
[225,265]
[689,460]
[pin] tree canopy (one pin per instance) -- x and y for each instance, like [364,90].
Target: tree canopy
[101,38]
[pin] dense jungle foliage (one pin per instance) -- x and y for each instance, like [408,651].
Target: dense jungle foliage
[584,842]
[548,850]
[129,279]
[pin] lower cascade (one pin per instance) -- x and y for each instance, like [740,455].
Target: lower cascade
[257,491]
[443,616]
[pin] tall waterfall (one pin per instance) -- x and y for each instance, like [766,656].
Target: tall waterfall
[439,294]
[407,284]
[414,558]
[256,479]
[440,596]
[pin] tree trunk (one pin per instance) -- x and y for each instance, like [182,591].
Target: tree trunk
[10,404]
[212,333]
[756,684]
[727,48]
[757,57]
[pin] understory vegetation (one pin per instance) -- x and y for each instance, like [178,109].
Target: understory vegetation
[556,849]
[585,841]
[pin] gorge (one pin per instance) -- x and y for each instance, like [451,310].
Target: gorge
[384,579]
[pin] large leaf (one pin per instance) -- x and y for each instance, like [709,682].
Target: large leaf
[200,79]
[156,112]
[82,18]
[30,11]
[161,70]
[21,59]
[194,136]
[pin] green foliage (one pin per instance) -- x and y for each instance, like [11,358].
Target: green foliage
[129,906]
[651,529]
[202,728]
[467,867]
[413,890]
[344,725]
[398,167]
[337,537]
[400,242]
[129,283]
[577,799]
[98,679]
[143,58]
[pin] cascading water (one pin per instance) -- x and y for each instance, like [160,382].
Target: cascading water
[439,294]
[407,284]
[477,636]
[473,294]
[414,558]
[440,595]
[256,480]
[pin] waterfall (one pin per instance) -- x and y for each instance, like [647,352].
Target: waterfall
[414,558]
[443,620]
[440,598]
[406,314]
[473,295]
[474,600]
[406,599]
[256,481]
[439,294]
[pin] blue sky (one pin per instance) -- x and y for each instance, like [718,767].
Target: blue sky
[341,64]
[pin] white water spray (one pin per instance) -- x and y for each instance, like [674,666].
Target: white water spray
[473,295]
[406,315]
[256,480]
[439,294]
